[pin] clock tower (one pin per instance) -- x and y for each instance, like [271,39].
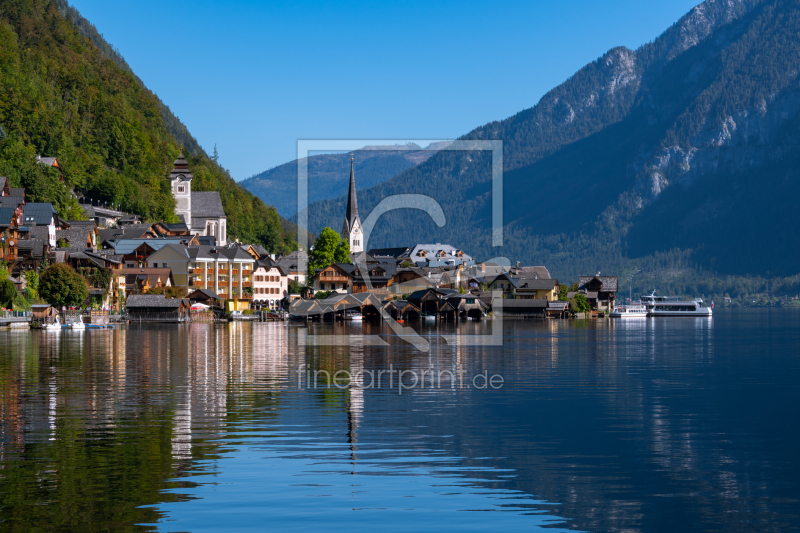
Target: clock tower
[181,182]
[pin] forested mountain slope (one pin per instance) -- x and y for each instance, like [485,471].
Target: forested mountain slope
[677,156]
[61,96]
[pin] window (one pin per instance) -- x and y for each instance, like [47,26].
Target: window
[181,188]
[163,265]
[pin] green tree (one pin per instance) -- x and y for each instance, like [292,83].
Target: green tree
[327,250]
[60,285]
[32,284]
[579,304]
[295,287]
[8,292]
[342,253]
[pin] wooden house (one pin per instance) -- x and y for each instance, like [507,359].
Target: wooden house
[156,308]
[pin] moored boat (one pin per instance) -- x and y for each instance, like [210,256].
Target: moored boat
[629,311]
[674,306]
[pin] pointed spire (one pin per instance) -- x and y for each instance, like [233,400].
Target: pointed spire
[352,202]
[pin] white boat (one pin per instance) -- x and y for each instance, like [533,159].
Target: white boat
[78,324]
[629,311]
[353,315]
[53,326]
[674,306]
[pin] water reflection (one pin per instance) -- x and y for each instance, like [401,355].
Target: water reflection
[601,425]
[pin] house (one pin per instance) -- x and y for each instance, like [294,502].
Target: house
[50,162]
[127,220]
[141,280]
[79,237]
[10,219]
[295,264]
[4,189]
[373,277]
[206,297]
[335,277]
[270,283]
[600,291]
[535,288]
[136,252]
[429,301]
[557,309]
[156,308]
[43,215]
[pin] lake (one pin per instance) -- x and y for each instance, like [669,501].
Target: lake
[669,424]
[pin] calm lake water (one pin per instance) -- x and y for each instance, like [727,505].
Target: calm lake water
[662,425]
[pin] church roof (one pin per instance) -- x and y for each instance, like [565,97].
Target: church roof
[181,169]
[207,205]
[352,203]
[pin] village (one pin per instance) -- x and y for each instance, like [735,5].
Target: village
[190,270]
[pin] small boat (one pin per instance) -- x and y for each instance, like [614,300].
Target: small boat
[53,326]
[353,315]
[629,311]
[78,324]
[428,317]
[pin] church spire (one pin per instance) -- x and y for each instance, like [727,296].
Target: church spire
[352,203]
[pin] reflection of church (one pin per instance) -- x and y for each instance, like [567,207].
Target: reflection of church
[202,212]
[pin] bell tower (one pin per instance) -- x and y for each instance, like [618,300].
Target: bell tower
[351,231]
[181,183]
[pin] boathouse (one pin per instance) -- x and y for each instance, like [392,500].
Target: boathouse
[157,308]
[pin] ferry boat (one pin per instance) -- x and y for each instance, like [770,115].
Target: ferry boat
[674,306]
[629,311]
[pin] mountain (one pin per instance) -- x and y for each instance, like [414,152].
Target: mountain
[65,93]
[678,159]
[329,174]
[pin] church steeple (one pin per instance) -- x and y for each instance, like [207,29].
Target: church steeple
[352,201]
[352,223]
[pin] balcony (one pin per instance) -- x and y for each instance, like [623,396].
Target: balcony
[234,284]
[235,271]
[223,272]
[246,284]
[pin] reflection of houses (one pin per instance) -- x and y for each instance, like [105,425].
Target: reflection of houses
[600,291]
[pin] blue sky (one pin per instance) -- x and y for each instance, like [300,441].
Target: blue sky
[252,77]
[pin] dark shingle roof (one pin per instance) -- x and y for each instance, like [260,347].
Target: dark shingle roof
[7,216]
[11,201]
[40,214]
[535,284]
[16,191]
[207,205]
[76,236]
[388,252]
[609,283]
[152,300]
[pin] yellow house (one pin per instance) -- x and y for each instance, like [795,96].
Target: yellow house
[523,287]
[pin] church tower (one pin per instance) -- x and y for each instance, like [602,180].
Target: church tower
[351,232]
[181,181]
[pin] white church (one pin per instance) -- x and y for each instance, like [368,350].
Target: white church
[202,212]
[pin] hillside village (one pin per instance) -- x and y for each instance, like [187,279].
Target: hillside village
[162,270]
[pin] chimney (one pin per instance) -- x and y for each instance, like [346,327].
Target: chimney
[519,264]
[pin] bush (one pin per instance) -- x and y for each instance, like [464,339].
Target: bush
[8,292]
[60,285]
